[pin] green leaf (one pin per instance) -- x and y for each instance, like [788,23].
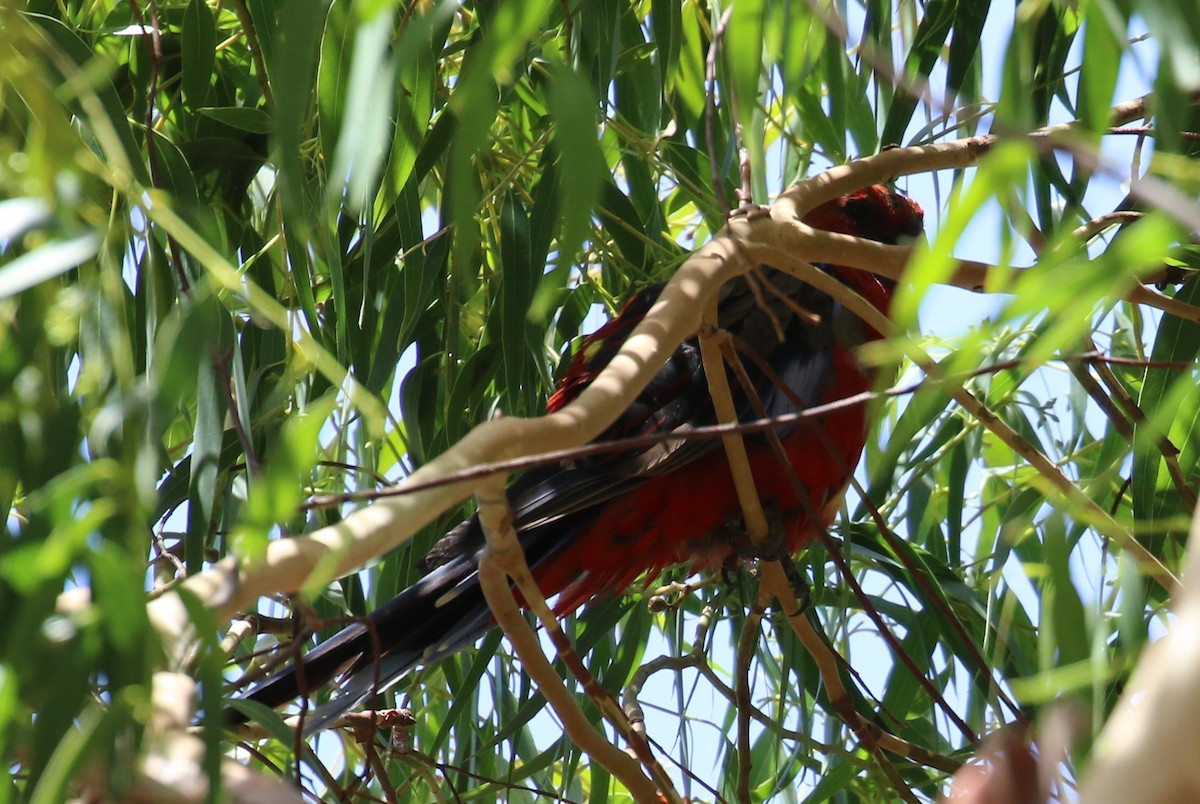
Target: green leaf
[367,117]
[275,494]
[666,21]
[517,284]
[76,748]
[110,114]
[940,16]
[242,118]
[581,166]
[1172,405]
[1102,49]
[743,53]
[46,262]
[965,44]
[292,85]
[198,42]
[206,456]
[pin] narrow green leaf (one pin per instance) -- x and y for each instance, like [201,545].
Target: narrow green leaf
[77,746]
[581,165]
[124,151]
[205,466]
[366,118]
[198,41]
[743,53]
[1102,50]
[292,83]
[965,43]
[46,262]
[517,285]
[1172,405]
[666,22]
[242,118]
[940,16]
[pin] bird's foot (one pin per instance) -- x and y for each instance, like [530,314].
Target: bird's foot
[772,548]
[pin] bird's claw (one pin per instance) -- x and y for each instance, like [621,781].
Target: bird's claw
[771,548]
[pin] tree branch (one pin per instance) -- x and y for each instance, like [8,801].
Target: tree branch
[503,559]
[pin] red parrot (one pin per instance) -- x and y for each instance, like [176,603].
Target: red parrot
[593,525]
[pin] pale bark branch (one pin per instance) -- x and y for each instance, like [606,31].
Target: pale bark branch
[1147,750]
[503,559]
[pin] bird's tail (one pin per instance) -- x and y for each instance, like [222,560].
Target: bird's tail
[440,614]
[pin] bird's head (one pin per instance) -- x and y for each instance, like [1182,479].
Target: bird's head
[874,213]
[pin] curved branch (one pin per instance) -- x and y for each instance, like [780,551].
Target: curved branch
[502,560]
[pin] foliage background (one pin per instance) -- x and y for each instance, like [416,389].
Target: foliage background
[252,252]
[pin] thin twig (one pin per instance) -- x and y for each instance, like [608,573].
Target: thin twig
[1096,516]
[744,658]
[256,54]
[810,507]
[710,78]
[153,44]
[221,366]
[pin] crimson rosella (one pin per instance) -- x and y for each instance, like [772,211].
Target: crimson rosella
[594,525]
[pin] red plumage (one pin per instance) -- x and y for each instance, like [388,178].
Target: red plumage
[596,524]
[666,520]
